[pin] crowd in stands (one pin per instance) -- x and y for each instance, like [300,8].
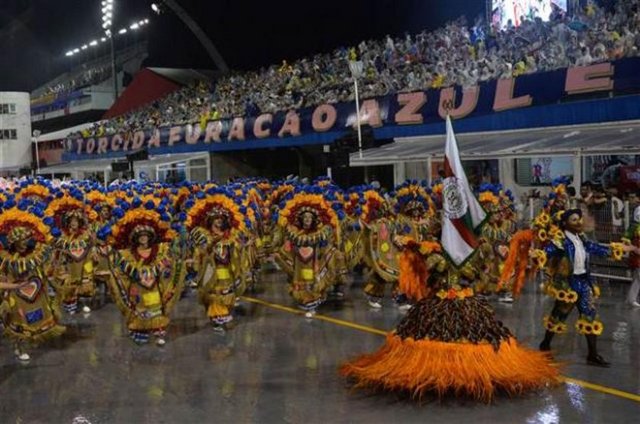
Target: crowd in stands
[456,54]
[84,78]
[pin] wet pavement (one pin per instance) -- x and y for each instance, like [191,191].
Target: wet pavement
[275,366]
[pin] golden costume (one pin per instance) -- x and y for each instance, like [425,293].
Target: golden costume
[148,270]
[72,263]
[28,313]
[216,228]
[309,253]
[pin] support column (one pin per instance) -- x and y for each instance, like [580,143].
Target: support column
[577,171]
[399,173]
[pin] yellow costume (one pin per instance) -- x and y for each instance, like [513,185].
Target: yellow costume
[310,236]
[217,231]
[27,312]
[148,271]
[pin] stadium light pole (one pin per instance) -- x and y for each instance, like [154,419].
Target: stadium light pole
[108,7]
[357,70]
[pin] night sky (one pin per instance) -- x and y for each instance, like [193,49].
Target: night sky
[35,34]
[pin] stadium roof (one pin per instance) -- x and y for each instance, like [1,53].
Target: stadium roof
[100,165]
[63,133]
[587,140]
[35,34]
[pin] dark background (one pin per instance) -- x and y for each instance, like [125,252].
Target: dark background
[35,34]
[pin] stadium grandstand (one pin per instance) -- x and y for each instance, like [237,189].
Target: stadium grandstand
[544,97]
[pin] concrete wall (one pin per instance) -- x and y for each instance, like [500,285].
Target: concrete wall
[224,166]
[15,154]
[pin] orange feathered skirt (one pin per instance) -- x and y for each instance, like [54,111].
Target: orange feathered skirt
[452,347]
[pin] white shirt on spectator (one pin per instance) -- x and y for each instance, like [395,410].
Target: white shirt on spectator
[617,207]
[580,256]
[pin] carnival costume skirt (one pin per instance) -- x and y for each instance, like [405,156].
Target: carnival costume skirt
[452,347]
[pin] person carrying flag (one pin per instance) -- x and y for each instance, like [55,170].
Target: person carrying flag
[450,342]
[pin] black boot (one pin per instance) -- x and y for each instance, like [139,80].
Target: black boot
[593,358]
[545,345]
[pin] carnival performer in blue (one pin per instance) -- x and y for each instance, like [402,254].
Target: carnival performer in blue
[570,283]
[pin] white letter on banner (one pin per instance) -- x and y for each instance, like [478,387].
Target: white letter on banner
[174,135]
[214,129]
[291,125]
[192,134]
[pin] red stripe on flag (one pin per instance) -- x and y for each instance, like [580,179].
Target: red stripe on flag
[465,232]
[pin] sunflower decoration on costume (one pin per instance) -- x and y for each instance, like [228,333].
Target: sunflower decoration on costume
[311,215]
[181,195]
[489,197]
[264,186]
[558,199]
[436,193]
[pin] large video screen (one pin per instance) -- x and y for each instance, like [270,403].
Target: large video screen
[542,170]
[503,11]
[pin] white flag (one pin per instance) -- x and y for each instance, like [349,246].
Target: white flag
[462,214]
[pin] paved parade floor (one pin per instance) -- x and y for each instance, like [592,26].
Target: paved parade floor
[276,366]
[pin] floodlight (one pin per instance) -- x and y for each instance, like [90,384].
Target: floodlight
[134,26]
[69,53]
[84,47]
[122,31]
[93,43]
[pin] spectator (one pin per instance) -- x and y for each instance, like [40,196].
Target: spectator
[632,237]
[455,54]
[617,212]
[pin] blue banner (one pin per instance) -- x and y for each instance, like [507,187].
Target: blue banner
[390,116]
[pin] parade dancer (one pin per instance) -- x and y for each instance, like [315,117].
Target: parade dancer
[568,256]
[103,205]
[28,314]
[381,253]
[148,269]
[309,249]
[450,342]
[72,264]
[216,227]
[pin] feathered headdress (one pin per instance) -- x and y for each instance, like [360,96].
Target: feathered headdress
[216,203]
[321,205]
[131,220]
[62,208]
[411,195]
[19,222]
